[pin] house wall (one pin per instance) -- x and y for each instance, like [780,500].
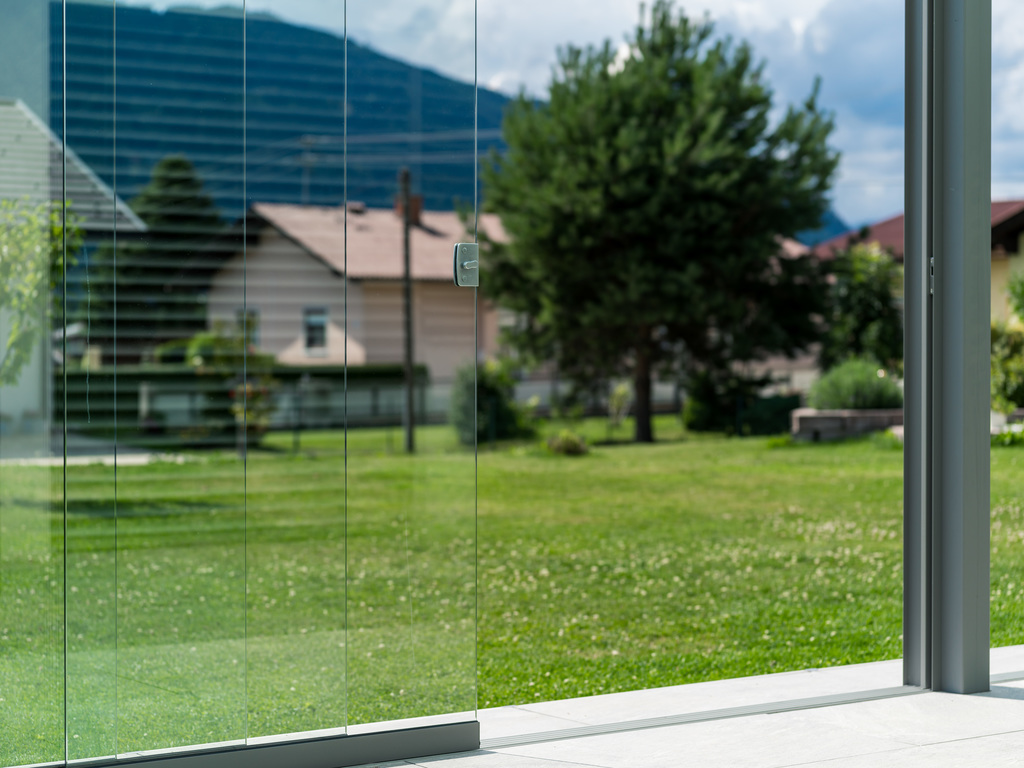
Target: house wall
[281,280]
[1003,268]
[443,327]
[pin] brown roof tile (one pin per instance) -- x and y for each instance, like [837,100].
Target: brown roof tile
[375,238]
[889,232]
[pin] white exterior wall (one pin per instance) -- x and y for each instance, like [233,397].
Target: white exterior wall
[443,329]
[281,281]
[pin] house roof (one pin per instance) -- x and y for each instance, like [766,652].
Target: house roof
[1006,215]
[32,168]
[374,238]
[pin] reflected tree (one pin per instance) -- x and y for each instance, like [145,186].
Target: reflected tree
[152,288]
[33,240]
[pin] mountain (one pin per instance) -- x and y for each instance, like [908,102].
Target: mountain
[204,84]
[831,225]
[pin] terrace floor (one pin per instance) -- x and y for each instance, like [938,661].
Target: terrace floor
[846,717]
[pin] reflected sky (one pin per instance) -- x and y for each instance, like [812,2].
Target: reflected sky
[855,45]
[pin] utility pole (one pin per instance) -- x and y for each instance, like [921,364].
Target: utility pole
[410,384]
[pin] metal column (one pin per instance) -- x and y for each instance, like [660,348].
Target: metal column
[947,279]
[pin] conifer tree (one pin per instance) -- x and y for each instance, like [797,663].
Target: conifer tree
[645,200]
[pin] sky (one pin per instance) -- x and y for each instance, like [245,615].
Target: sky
[855,46]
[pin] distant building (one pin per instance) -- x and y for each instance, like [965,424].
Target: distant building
[1007,247]
[295,268]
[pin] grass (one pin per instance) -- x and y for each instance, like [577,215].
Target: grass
[217,603]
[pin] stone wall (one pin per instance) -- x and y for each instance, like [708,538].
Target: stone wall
[810,424]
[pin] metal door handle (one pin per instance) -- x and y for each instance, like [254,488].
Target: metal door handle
[466,265]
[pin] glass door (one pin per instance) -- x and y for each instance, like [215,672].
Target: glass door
[237,379]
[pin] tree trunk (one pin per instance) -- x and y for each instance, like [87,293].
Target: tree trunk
[642,397]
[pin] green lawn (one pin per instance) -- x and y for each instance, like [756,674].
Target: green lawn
[217,604]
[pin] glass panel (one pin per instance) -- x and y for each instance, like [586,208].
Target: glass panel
[83,114]
[229,304]
[182,514]
[646,289]
[411,497]
[155,476]
[31,463]
[295,287]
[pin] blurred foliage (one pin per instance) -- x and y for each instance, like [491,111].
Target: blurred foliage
[645,199]
[864,318]
[227,351]
[856,384]
[568,443]
[618,404]
[33,241]
[1015,289]
[732,404]
[1007,361]
[483,406]
[156,283]
[1011,437]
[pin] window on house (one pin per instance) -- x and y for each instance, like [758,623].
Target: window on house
[314,324]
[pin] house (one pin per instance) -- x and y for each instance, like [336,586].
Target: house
[303,266]
[1007,247]
[35,168]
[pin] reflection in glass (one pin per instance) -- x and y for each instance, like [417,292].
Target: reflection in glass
[213,346]
[33,228]
[411,515]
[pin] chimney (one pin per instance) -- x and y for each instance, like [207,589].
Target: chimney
[415,208]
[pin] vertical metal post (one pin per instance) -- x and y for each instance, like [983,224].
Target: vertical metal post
[948,253]
[917,305]
[410,384]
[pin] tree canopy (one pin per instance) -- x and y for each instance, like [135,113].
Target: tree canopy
[645,201]
[864,316]
[33,240]
[157,282]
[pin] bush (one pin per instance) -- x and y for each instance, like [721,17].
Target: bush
[1011,437]
[1007,367]
[857,384]
[568,443]
[497,415]
[734,407]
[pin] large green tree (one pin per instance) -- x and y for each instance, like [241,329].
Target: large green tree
[645,201]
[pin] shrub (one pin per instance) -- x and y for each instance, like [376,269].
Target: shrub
[618,404]
[734,407]
[886,441]
[854,385]
[568,443]
[497,416]
[1007,367]
[1011,437]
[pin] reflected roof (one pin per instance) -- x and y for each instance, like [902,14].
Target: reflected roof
[375,238]
[888,233]
[31,168]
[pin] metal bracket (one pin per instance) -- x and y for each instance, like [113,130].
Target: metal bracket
[467,265]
